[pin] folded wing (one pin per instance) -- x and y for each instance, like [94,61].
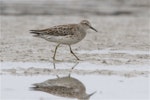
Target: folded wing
[61,30]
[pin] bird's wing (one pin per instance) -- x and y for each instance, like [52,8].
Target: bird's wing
[60,82]
[52,85]
[61,30]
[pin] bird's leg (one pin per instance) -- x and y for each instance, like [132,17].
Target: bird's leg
[55,68]
[73,53]
[72,69]
[54,65]
[55,51]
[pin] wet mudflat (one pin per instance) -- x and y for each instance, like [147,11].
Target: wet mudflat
[110,82]
[114,61]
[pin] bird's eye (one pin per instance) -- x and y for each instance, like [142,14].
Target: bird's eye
[86,24]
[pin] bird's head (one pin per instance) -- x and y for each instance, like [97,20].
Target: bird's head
[87,25]
[86,96]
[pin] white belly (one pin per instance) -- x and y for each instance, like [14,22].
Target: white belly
[68,39]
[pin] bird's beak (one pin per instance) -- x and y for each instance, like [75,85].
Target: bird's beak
[93,28]
[91,94]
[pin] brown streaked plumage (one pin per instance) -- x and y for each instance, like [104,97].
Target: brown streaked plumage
[60,30]
[65,87]
[64,34]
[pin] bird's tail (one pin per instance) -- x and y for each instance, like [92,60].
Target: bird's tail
[33,88]
[35,33]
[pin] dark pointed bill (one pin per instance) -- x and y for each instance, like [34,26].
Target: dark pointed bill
[91,94]
[93,29]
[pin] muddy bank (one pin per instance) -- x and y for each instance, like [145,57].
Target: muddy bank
[75,7]
[120,40]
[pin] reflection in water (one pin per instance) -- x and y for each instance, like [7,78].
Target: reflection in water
[64,86]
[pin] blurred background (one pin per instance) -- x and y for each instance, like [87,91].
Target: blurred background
[127,21]
[75,7]
[116,57]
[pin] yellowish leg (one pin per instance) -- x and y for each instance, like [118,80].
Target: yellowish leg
[73,53]
[55,52]
[73,68]
[55,68]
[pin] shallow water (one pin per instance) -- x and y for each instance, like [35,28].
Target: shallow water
[106,87]
[110,82]
[80,68]
[109,51]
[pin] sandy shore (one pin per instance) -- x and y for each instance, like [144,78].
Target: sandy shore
[116,58]
[115,33]
[75,7]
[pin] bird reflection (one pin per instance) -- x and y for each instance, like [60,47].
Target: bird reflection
[64,86]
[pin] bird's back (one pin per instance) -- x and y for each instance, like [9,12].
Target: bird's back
[60,30]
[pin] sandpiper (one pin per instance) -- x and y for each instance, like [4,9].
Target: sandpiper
[64,34]
[65,87]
